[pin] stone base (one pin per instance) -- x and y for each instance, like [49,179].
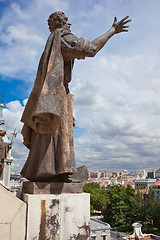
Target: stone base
[51,188]
[58,217]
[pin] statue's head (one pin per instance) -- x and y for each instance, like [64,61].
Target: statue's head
[2,133]
[58,20]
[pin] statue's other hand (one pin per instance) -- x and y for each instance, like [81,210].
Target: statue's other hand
[121,25]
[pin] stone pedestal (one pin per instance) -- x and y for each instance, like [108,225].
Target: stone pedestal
[58,216]
[7,171]
[51,188]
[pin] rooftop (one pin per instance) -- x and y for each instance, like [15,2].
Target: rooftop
[156,183]
[95,223]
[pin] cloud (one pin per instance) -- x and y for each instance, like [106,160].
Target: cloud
[18,11]
[55,5]
[20,34]
[119,110]
[19,56]
[23,35]
[12,115]
[116,93]
[95,11]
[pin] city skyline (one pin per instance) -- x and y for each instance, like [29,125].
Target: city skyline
[117,96]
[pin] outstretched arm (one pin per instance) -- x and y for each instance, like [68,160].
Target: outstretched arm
[117,27]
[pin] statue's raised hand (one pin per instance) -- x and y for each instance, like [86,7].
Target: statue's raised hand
[121,25]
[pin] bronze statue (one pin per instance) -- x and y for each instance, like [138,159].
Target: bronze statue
[48,116]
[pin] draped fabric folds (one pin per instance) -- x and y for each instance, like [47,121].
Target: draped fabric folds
[48,117]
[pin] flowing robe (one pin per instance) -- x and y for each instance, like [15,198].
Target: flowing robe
[48,115]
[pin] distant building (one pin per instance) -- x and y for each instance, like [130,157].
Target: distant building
[93,174]
[157,173]
[156,187]
[115,174]
[99,230]
[145,193]
[151,174]
[99,174]
[129,176]
[143,174]
[143,182]
[115,182]
[102,174]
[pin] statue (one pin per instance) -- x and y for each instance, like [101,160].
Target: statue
[2,152]
[48,115]
[4,149]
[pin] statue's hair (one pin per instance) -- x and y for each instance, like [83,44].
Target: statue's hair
[57,19]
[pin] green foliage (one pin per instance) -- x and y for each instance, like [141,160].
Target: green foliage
[91,209]
[89,187]
[137,208]
[119,210]
[141,187]
[121,207]
[156,215]
[147,228]
[124,228]
[98,197]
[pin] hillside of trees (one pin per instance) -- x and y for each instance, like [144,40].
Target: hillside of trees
[121,207]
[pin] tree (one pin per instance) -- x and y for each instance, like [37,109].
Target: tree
[150,206]
[137,207]
[98,197]
[141,187]
[156,216]
[89,187]
[119,209]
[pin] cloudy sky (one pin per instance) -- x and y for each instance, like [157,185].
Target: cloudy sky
[117,93]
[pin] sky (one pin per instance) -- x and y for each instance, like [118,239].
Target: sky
[116,93]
